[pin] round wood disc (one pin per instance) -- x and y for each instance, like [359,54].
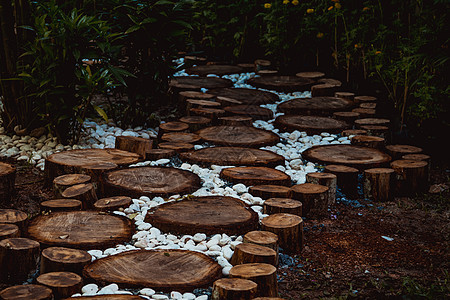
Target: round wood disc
[236,121]
[232,156]
[71,179]
[355,156]
[218,70]
[173,126]
[155,154]
[85,157]
[195,120]
[403,149]
[255,176]
[8,231]
[310,124]
[372,121]
[80,229]
[202,82]
[285,84]
[254,111]
[310,75]
[219,214]
[160,269]
[13,216]
[261,237]
[330,81]
[60,279]
[26,292]
[350,132]
[61,204]
[270,191]
[314,106]
[182,137]
[112,203]
[244,136]
[365,99]
[247,96]
[151,181]
[284,204]
[177,146]
[63,259]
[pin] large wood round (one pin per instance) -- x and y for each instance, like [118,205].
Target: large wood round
[310,124]
[210,215]
[285,84]
[255,176]
[218,70]
[27,292]
[254,111]
[314,106]
[247,96]
[160,269]
[14,216]
[80,229]
[54,259]
[233,156]
[201,82]
[355,156]
[150,181]
[63,284]
[244,136]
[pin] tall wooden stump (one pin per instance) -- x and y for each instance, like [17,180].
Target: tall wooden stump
[61,183]
[397,151]
[195,123]
[84,192]
[267,191]
[7,181]
[346,116]
[326,179]
[8,231]
[133,144]
[347,179]
[379,184]
[411,176]
[233,289]
[368,141]
[59,259]
[420,157]
[18,259]
[314,198]
[283,205]
[288,228]
[263,238]
[264,275]
[27,292]
[62,284]
[14,216]
[252,253]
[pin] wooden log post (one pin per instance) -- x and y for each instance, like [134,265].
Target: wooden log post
[264,275]
[84,192]
[411,176]
[368,141]
[233,289]
[96,171]
[345,95]
[379,184]
[347,179]
[324,89]
[62,284]
[397,151]
[133,144]
[326,179]
[376,130]
[270,191]
[27,291]
[61,183]
[288,228]
[420,157]
[365,112]
[155,154]
[61,259]
[283,205]
[210,113]
[14,216]
[112,203]
[60,205]
[253,253]
[346,116]
[9,231]
[263,238]
[195,123]
[314,198]
[7,182]
[18,259]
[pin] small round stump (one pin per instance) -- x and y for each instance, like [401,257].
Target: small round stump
[84,192]
[284,84]
[345,95]
[326,179]
[411,176]
[253,111]
[60,205]
[155,154]
[61,259]
[7,181]
[420,157]
[14,216]
[397,151]
[255,176]
[379,184]
[9,231]
[243,136]
[27,292]
[310,74]
[264,275]
[219,70]
[365,99]
[210,113]
[18,259]
[262,238]
[252,253]
[365,112]
[283,205]
[196,83]
[346,116]
[314,198]
[323,89]
[376,130]
[267,191]
[173,126]
[62,284]
[246,96]
[177,146]
[196,122]
[133,144]
[61,183]
[347,179]
[323,106]
[182,137]
[236,121]
[368,141]
[372,121]
[112,203]
[350,132]
[310,124]
[288,228]
[233,289]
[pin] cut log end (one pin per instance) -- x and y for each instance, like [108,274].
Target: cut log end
[26,292]
[63,284]
[59,259]
[288,228]
[233,288]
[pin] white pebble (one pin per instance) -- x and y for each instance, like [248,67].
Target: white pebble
[199,237]
[189,296]
[147,292]
[90,289]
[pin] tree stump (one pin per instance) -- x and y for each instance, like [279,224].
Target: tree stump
[376,130]
[233,289]
[286,84]
[368,141]
[262,238]
[379,184]
[365,112]
[9,231]
[194,60]
[18,259]
[151,182]
[225,101]
[235,136]
[346,116]
[267,191]
[288,228]
[165,270]
[247,67]
[236,121]
[245,96]
[97,171]
[173,126]
[411,176]
[181,137]
[368,105]
[397,151]
[365,99]
[253,253]
[61,183]
[60,259]
[196,103]
[323,90]
[134,144]
[326,179]
[283,205]
[220,214]
[253,111]
[310,75]
[185,95]
[177,146]
[345,95]
[60,205]
[62,284]
[350,132]
[347,179]
[155,154]
[372,121]
[27,292]
[420,157]
[210,113]
[84,192]
[219,70]
[262,64]
[7,182]
[181,83]
[310,124]
[13,216]
[322,106]
[112,203]
[264,275]
[255,176]
[314,198]
[196,122]
[267,72]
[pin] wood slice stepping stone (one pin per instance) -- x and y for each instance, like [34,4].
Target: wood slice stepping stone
[183,137]
[347,178]
[323,90]
[236,121]
[218,70]
[9,231]
[155,154]
[199,82]
[14,216]
[411,176]
[365,112]
[151,182]
[177,146]
[368,105]
[354,156]
[160,269]
[267,191]
[345,95]
[314,106]
[286,84]
[219,214]
[96,171]
[267,72]
[368,141]
[194,60]
[314,198]
[225,101]
[255,176]
[18,259]
[262,64]
[283,205]
[195,103]
[236,136]
[62,284]
[372,121]
[184,95]
[330,81]
[232,156]
[397,151]
[263,238]
[420,157]
[310,75]
[173,126]
[310,124]
[84,192]
[61,183]
[72,161]
[7,182]
[379,184]
[112,203]
[350,132]
[60,205]
[264,275]
[346,116]
[365,99]
[233,289]
[210,113]
[246,96]
[196,122]
[80,229]
[133,144]
[61,259]
[254,111]
[375,130]
[252,253]
[288,228]
[27,292]
[326,179]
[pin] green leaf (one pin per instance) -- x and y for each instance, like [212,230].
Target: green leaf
[101,112]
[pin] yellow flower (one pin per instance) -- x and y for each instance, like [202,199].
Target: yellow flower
[358,46]
[267,5]
[319,35]
[330,8]
[295,2]
[309,10]
[337,5]
[377,52]
[366,8]
[285,1]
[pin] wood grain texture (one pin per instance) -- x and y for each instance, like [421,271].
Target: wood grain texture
[62,284]
[8,231]
[7,182]
[253,253]
[233,289]
[60,205]
[219,70]
[14,216]
[266,191]
[310,124]
[235,136]
[314,106]
[255,176]
[264,275]
[54,259]
[236,121]
[283,205]
[254,111]
[27,292]
[246,96]
[112,203]
[285,84]
[201,82]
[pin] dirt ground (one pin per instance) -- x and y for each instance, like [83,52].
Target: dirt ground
[346,255]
